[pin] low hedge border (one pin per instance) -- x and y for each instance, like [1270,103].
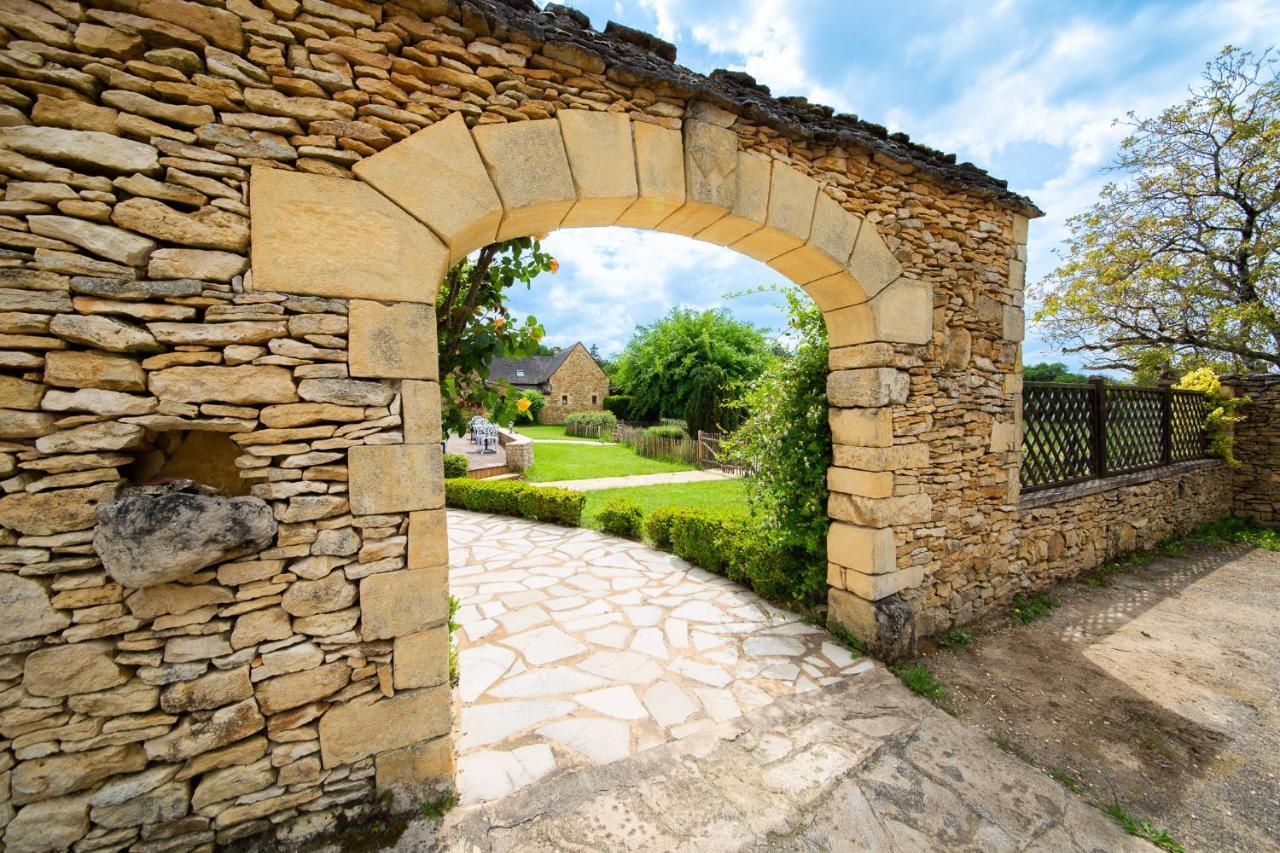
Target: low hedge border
[733,547]
[512,497]
[591,424]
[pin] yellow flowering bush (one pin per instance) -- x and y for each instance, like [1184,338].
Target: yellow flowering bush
[1222,413]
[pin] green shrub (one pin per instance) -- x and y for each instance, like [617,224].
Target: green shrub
[501,497]
[668,431]
[455,465]
[553,504]
[724,546]
[621,517]
[512,497]
[619,405]
[591,424]
[657,526]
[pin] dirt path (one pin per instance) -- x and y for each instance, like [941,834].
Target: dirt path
[1160,690]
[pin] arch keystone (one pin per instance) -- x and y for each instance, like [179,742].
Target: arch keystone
[831,239]
[530,170]
[437,176]
[323,236]
[792,197]
[603,162]
[659,176]
[750,205]
[710,171]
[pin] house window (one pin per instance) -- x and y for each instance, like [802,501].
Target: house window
[593,399]
[519,373]
[564,398]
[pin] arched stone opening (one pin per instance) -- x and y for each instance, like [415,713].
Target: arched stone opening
[447,190]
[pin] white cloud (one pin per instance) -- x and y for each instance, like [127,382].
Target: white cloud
[612,279]
[764,38]
[1018,86]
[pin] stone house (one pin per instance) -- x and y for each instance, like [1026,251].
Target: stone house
[571,380]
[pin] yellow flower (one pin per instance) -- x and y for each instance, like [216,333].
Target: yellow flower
[554,266]
[522,405]
[500,322]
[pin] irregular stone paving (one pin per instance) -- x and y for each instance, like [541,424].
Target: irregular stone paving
[859,765]
[579,649]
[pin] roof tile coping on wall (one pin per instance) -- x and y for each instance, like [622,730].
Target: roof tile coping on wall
[635,57]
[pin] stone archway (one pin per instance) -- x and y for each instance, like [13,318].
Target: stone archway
[429,200]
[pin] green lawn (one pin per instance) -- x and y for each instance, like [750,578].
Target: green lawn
[571,462]
[537,431]
[725,497]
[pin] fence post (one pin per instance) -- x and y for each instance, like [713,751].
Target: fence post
[1098,404]
[1166,422]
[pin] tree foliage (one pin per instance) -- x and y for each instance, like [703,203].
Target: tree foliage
[688,364]
[473,327]
[785,442]
[1051,372]
[1176,264]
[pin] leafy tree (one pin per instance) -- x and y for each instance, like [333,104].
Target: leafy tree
[785,443]
[473,327]
[688,363]
[1051,372]
[1177,263]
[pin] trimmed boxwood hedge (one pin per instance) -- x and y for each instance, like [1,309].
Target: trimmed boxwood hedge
[455,465]
[512,497]
[621,517]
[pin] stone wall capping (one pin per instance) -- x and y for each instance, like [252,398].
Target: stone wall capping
[1059,494]
[741,94]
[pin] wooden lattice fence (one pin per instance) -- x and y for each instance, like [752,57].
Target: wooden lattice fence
[1074,432]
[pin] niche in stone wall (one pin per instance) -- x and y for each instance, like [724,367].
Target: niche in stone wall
[206,457]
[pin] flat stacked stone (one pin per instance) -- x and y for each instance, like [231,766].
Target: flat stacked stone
[259,694]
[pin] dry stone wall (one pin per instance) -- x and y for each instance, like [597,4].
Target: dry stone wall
[1066,532]
[1257,448]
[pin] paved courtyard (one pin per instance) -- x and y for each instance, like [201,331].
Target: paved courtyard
[578,649]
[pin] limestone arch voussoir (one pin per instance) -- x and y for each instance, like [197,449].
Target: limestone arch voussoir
[437,176]
[602,159]
[323,236]
[527,163]
[711,178]
[660,180]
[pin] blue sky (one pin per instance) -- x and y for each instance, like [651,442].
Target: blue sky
[1027,89]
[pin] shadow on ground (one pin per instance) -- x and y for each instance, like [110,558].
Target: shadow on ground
[1158,690]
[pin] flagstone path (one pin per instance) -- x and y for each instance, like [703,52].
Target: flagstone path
[578,649]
